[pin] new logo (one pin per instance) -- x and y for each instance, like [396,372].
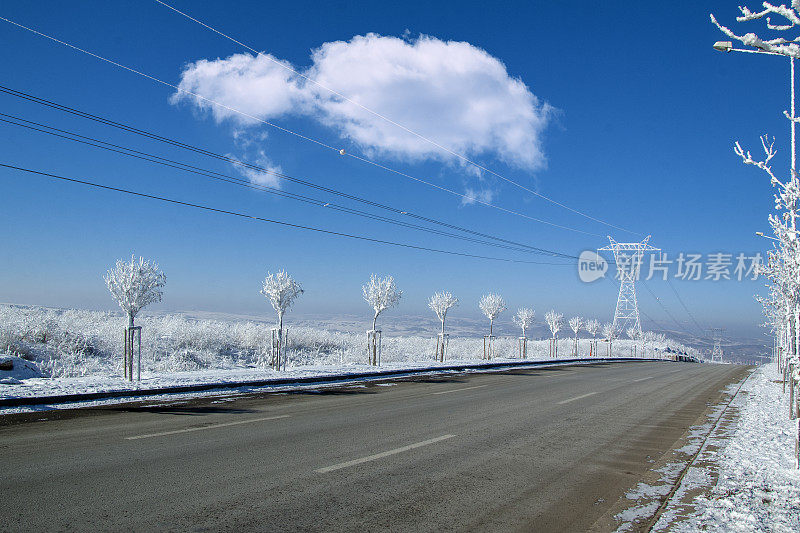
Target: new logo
[591,266]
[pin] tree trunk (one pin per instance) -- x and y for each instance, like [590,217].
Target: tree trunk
[130,319]
[491,323]
[281,351]
[375,321]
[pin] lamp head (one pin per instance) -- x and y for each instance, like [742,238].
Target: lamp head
[723,46]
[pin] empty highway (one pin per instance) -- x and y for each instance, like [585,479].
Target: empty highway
[523,450]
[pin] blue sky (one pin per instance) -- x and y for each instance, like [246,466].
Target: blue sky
[644,115]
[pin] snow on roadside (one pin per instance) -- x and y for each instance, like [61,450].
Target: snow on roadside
[14,369]
[346,375]
[758,486]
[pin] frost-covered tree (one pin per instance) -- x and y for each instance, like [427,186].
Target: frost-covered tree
[553,321]
[593,326]
[575,324]
[633,334]
[381,294]
[783,262]
[281,290]
[523,318]
[492,305]
[440,303]
[135,284]
[608,334]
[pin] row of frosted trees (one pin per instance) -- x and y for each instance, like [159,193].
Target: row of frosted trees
[782,268]
[137,283]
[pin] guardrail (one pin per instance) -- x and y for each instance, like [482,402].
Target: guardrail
[308,380]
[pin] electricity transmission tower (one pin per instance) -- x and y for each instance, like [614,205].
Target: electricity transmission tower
[716,353]
[628,257]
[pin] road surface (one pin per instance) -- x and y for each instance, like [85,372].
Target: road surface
[523,450]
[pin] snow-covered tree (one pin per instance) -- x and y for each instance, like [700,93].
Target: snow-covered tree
[281,290]
[593,326]
[554,321]
[381,294]
[492,305]
[783,261]
[575,324]
[633,334]
[523,318]
[440,303]
[135,284]
[608,334]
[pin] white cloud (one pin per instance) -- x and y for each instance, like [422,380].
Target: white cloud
[472,196]
[450,92]
[253,85]
[262,178]
[253,153]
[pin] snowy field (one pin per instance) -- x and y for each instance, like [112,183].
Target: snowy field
[744,478]
[80,351]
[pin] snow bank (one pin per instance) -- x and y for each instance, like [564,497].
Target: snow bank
[14,369]
[758,486]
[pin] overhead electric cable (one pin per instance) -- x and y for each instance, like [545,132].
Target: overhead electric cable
[299,135]
[122,150]
[271,221]
[225,177]
[664,307]
[648,317]
[390,121]
[700,329]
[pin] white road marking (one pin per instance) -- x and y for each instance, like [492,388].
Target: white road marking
[576,398]
[457,390]
[382,454]
[641,379]
[210,426]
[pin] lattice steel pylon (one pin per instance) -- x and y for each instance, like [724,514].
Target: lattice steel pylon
[628,257]
[716,353]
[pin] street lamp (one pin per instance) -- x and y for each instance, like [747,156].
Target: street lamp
[723,46]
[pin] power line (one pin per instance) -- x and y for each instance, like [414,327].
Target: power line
[681,327]
[649,318]
[678,296]
[267,220]
[390,121]
[296,134]
[122,150]
[236,162]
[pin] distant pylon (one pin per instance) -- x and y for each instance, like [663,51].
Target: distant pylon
[628,257]
[716,353]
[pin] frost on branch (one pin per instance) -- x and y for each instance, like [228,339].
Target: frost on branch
[281,290]
[593,326]
[632,333]
[554,321]
[779,45]
[440,303]
[609,331]
[135,284]
[575,324]
[769,153]
[492,305]
[381,294]
[523,318]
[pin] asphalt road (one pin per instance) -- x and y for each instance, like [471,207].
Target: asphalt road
[524,450]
